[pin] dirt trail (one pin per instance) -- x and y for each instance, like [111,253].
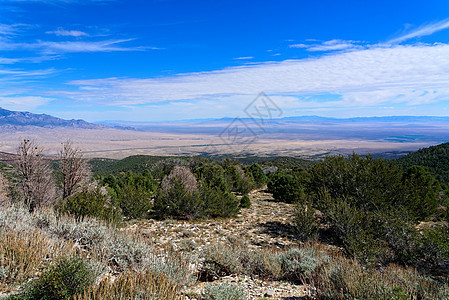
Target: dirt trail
[265,223]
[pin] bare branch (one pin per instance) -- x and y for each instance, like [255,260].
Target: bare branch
[73,167]
[35,183]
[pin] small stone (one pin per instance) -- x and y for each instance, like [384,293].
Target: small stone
[269,293]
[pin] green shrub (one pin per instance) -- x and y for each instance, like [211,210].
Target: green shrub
[176,202]
[179,196]
[223,291]
[63,280]
[236,178]
[218,202]
[434,245]
[215,192]
[372,207]
[421,192]
[132,192]
[93,203]
[305,221]
[134,201]
[365,182]
[259,177]
[245,202]
[285,187]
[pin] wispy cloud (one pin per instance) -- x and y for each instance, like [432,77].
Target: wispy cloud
[63,32]
[408,74]
[50,47]
[16,74]
[331,45]
[84,46]
[8,30]
[8,61]
[23,103]
[243,57]
[424,30]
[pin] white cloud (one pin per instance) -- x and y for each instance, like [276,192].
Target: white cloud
[23,103]
[6,29]
[8,61]
[63,32]
[331,45]
[422,31]
[299,46]
[49,47]
[244,57]
[408,74]
[82,46]
[19,73]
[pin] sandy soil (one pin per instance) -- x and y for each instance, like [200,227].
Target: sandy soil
[113,143]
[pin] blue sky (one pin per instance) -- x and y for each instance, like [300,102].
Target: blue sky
[155,60]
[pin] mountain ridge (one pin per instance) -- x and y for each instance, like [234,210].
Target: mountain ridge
[24,118]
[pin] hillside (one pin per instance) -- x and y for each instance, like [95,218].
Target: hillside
[139,163]
[18,118]
[436,158]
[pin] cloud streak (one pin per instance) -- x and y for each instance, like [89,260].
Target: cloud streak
[50,47]
[422,31]
[63,32]
[331,45]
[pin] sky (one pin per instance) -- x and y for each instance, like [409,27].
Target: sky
[163,60]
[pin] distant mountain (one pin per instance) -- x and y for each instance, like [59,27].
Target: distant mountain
[18,118]
[436,158]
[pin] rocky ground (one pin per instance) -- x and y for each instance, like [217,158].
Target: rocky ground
[265,223]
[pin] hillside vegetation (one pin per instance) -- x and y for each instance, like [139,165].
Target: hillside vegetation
[435,158]
[354,227]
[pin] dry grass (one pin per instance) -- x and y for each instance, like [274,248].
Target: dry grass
[343,278]
[331,274]
[31,241]
[130,285]
[22,255]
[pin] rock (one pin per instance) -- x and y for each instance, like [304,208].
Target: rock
[269,293]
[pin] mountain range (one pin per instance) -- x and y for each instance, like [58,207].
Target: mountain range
[17,118]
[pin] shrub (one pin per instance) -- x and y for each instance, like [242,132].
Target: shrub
[236,178]
[22,254]
[63,280]
[130,285]
[260,179]
[215,192]
[285,187]
[132,193]
[245,202]
[93,203]
[223,291]
[294,265]
[179,196]
[434,245]
[345,279]
[119,251]
[421,192]
[363,181]
[305,221]
[218,202]
[300,264]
